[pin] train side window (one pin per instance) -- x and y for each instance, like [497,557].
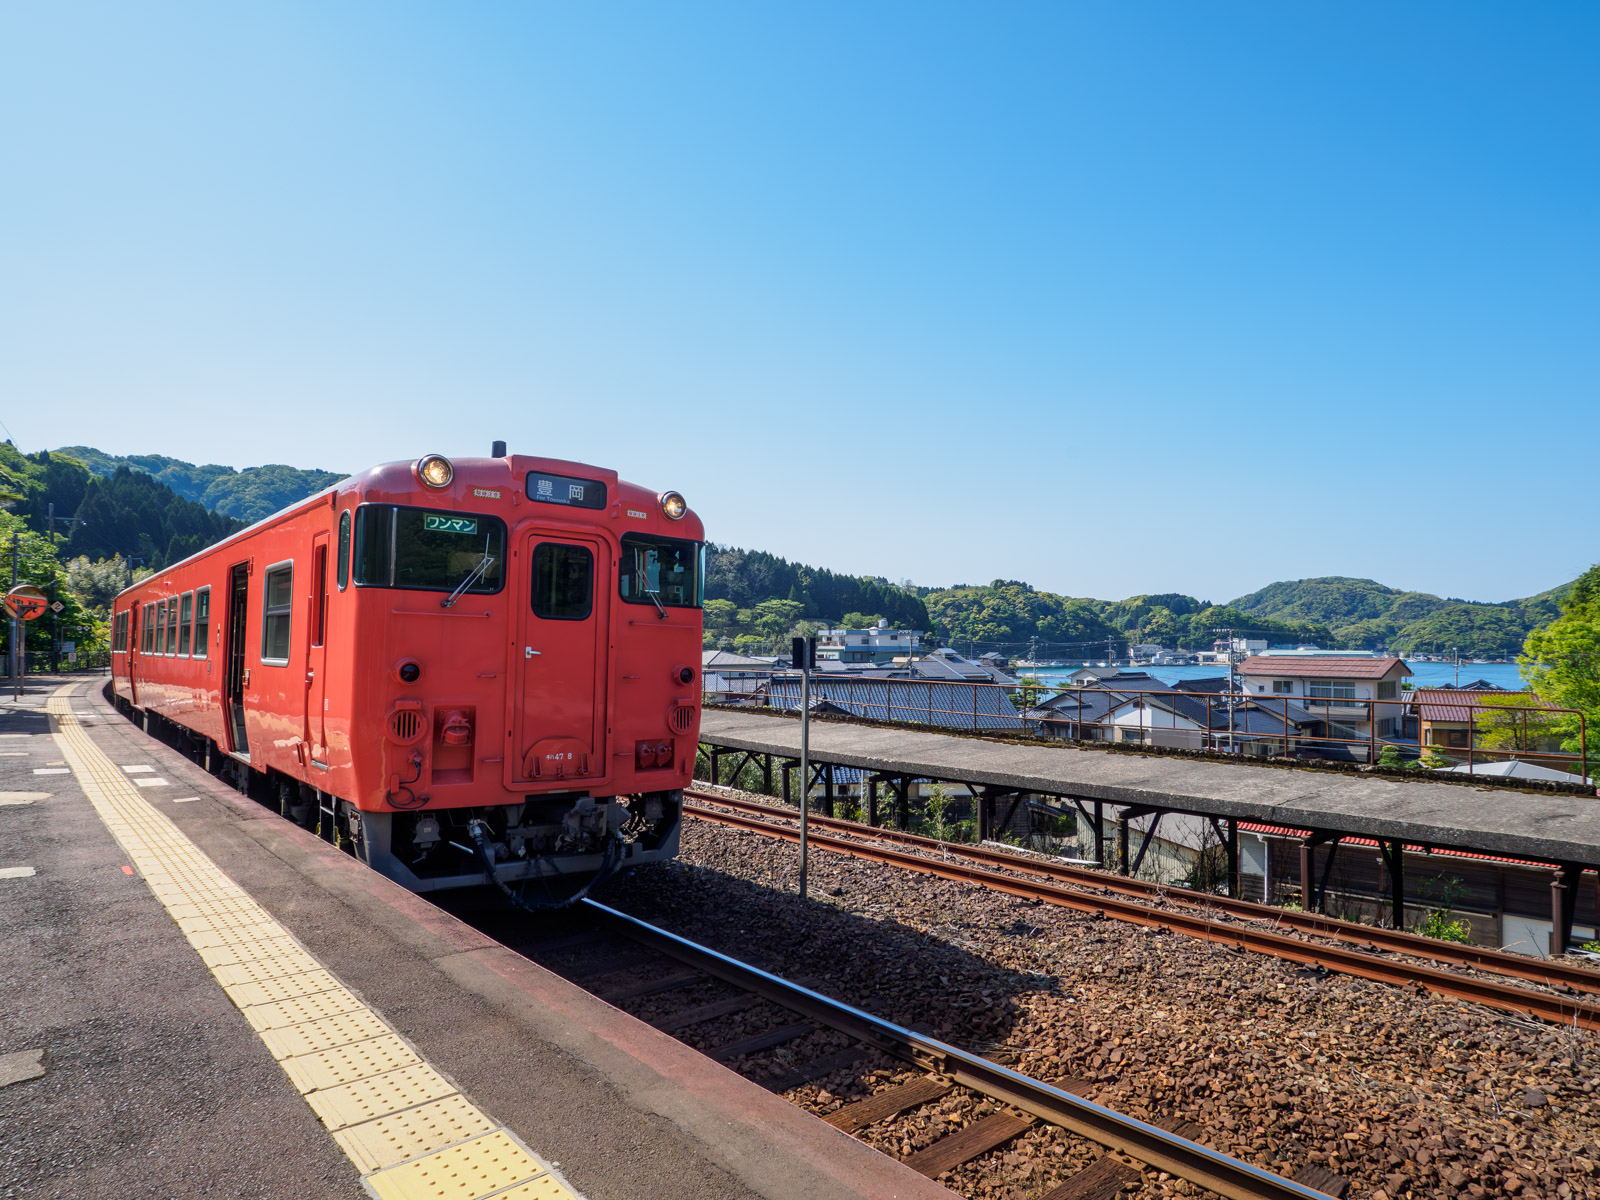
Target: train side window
[343,568]
[172,626]
[277,600]
[319,595]
[185,616]
[563,581]
[161,627]
[152,631]
[144,630]
[202,621]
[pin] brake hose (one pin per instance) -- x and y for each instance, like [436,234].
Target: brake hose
[480,832]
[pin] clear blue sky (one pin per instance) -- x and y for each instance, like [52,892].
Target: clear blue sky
[1113,298]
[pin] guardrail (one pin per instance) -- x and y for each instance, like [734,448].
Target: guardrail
[1472,731]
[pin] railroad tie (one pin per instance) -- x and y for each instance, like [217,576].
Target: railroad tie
[651,987]
[826,1064]
[1100,1180]
[1317,1176]
[704,1012]
[967,1144]
[888,1103]
[756,1043]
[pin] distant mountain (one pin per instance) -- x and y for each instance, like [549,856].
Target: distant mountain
[249,495]
[1364,613]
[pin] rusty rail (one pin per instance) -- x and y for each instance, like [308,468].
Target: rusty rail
[1549,972]
[1165,1151]
[1506,997]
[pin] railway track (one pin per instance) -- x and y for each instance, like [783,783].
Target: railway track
[610,953]
[1344,947]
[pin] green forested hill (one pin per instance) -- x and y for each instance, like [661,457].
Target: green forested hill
[1009,616]
[250,494]
[1362,612]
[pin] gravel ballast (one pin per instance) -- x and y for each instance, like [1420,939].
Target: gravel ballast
[1403,1092]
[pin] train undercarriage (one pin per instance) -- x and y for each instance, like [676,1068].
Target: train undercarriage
[545,849]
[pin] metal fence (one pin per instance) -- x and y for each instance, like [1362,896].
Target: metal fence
[1473,734]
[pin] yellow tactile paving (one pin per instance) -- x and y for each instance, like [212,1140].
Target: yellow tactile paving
[377,1095]
[388,1141]
[275,1014]
[407,1129]
[473,1169]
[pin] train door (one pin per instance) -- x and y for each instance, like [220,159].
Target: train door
[237,673]
[317,651]
[132,657]
[561,585]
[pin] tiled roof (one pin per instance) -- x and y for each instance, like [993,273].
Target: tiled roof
[1454,704]
[1320,667]
[1285,831]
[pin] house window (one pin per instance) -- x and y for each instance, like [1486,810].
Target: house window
[172,626]
[1455,738]
[1386,690]
[1386,727]
[161,627]
[1332,689]
[1345,733]
[1283,687]
[1133,735]
[202,621]
[277,599]
[185,616]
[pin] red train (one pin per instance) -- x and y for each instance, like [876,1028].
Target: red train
[443,664]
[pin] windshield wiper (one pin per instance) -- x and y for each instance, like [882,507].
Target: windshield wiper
[484,564]
[661,613]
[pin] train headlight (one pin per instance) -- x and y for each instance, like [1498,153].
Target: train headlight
[435,470]
[674,505]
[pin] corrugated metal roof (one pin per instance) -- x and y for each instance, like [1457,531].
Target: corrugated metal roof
[927,702]
[1319,667]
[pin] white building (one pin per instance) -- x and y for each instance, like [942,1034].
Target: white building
[1346,690]
[878,645]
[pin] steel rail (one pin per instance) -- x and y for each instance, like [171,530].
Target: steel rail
[1550,972]
[1123,1134]
[1522,1001]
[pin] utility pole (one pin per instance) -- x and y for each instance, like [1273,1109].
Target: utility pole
[19,659]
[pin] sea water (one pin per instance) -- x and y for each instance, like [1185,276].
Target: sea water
[1423,674]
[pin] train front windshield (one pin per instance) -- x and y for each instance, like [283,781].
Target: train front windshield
[668,571]
[428,550]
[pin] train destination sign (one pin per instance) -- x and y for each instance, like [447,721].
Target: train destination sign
[26,601]
[440,523]
[562,489]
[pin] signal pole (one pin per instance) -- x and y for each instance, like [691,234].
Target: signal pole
[804,654]
[18,655]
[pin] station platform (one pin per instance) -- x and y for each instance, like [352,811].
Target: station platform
[1545,827]
[205,1000]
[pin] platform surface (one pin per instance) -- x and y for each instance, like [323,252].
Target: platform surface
[204,1000]
[1552,828]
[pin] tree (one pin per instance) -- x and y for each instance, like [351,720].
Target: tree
[1561,662]
[858,620]
[774,618]
[96,584]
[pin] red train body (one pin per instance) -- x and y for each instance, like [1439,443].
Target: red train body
[512,641]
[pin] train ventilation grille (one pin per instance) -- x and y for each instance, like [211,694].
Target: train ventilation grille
[406,725]
[681,718]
